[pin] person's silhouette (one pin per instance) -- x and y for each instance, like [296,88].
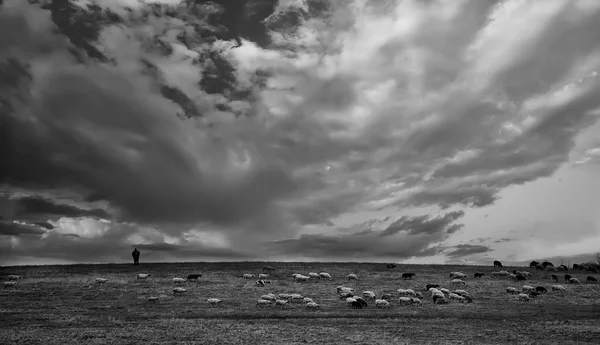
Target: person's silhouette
[136,257]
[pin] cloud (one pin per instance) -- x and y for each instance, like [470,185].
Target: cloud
[462,250]
[35,206]
[590,156]
[422,225]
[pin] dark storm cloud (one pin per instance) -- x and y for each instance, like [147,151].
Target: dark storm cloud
[466,250]
[423,225]
[9,228]
[34,206]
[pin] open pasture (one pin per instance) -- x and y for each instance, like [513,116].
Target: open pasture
[64,305]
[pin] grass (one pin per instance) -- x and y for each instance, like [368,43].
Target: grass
[62,305]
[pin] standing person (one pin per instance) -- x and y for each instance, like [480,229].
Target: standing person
[136,257]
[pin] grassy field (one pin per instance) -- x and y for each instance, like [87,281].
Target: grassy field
[62,305]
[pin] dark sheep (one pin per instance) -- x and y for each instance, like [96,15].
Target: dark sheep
[436,298]
[268,268]
[539,267]
[564,267]
[497,263]
[554,277]
[575,267]
[547,263]
[194,276]
[592,269]
[591,279]
[567,277]
[520,277]
[387,297]
[391,266]
[533,264]
[540,289]
[469,299]
[408,275]
[362,302]
[429,286]
[478,275]
[356,305]
[533,293]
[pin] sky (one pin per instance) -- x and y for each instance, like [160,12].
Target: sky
[299,130]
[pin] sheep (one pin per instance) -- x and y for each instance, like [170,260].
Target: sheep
[478,275]
[527,288]
[458,275]
[460,299]
[343,289]
[554,277]
[527,274]
[314,275]
[356,305]
[263,276]
[533,293]
[261,283]
[551,269]
[512,277]
[296,298]
[410,292]
[524,297]
[13,277]
[101,280]
[539,267]
[461,293]
[429,286]
[504,273]
[567,277]
[408,275]
[193,276]
[308,300]
[418,294]
[453,296]
[369,294]
[547,264]
[402,292]
[269,297]
[179,290]
[152,299]
[574,281]
[560,267]
[325,275]
[512,290]
[9,284]
[381,303]
[438,293]
[281,303]
[591,279]
[558,288]
[439,300]
[497,263]
[445,291]
[386,296]
[248,276]
[284,296]
[434,290]
[263,303]
[312,306]
[301,278]
[213,301]
[541,289]
[390,266]
[346,295]
[268,268]
[416,301]
[405,300]
[533,264]
[352,276]
[142,276]
[350,300]
[178,280]
[457,282]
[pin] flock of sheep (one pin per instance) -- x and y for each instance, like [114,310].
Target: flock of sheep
[439,295]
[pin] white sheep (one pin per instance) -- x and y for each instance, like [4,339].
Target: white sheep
[369,294]
[439,294]
[405,300]
[453,296]
[301,278]
[381,303]
[308,300]
[325,275]
[296,274]
[444,290]
[512,277]
[297,298]
[152,299]
[504,273]
[524,297]
[13,277]
[101,280]
[457,282]
[461,293]
[263,303]
[280,303]
[458,275]
[527,288]
[441,300]
[574,281]
[263,276]
[284,296]
[312,306]
[410,292]
[416,301]
[558,288]
[143,276]
[9,284]
[268,297]
[342,289]
[402,292]
[177,280]
[314,275]
[512,290]
[179,290]
[214,301]
[248,276]
[352,276]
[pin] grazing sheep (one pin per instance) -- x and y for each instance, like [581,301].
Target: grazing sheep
[387,296]
[268,268]
[390,266]
[444,290]
[497,263]
[325,275]
[520,277]
[179,290]
[284,296]
[434,290]
[152,299]
[478,275]
[263,303]
[558,288]
[312,306]
[527,288]
[346,295]
[439,300]
[461,293]
[533,293]
[541,289]
[457,282]
[362,302]
[575,267]
[369,294]
[101,280]
[533,264]
[314,275]
[410,292]
[13,277]
[301,278]
[356,305]
[213,301]
[416,301]
[574,281]
[269,297]
[280,303]
[592,269]
[295,275]
[342,289]
[248,276]
[461,299]
[178,280]
[296,298]
[561,268]
[512,290]
[263,276]
[458,275]
[524,297]
[591,279]
[547,264]
[513,277]
[551,269]
[261,283]
[429,286]
[193,276]
[418,294]
[438,293]
[352,277]
[9,284]
[350,300]
[381,303]
[453,296]
[307,300]
[405,300]
[142,276]
[554,277]
[567,277]
[504,273]
[539,267]
[408,275]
